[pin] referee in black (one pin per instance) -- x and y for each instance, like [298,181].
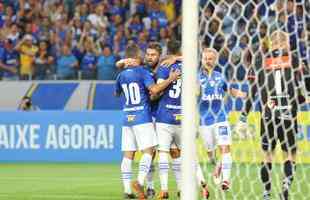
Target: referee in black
[277,81]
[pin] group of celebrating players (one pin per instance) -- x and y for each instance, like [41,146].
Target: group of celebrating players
[153,94]
[152,119]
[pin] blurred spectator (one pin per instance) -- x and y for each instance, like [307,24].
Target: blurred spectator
[9,62]
[154,30]
[27,55]
[97,19]
[168,7]
[66,64]
[43,61]
[135,26]
[14,34]
[106,64]
[2,15]
[88,63]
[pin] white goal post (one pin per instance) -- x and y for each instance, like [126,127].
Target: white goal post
[189,88]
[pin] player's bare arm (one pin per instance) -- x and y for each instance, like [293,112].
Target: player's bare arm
[163,84]
[170,60]
[237,93]
[127,62]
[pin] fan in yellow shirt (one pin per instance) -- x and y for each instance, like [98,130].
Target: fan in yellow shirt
[27,54]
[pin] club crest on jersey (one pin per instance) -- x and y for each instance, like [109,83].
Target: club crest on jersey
[131,118]
[212,83]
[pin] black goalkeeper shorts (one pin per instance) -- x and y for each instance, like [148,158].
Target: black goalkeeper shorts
[273,130]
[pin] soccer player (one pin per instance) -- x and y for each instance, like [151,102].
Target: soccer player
[138,131]
[168,125]
[214,127]
[275,80]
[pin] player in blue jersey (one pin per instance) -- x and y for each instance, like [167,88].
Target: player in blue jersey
[214,127]
[168,125]
[136,83]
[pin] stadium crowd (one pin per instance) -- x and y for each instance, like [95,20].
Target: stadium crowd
[82,39]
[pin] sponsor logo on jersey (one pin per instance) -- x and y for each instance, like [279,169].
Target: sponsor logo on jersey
[212,97]
[223,130]
[178,117]
[131,118]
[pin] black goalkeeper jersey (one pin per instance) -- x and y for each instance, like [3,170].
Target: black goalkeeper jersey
[277,88]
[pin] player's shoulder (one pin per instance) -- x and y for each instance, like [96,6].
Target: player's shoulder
[162,69]
[176,65]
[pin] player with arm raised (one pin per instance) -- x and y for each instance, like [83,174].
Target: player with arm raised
[275,81]
[136,83]
[168,126]
[214,127]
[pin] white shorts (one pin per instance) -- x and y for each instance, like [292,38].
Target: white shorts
[215,134]
[169,136]
[138,137]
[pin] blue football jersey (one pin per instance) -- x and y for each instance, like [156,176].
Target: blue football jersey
[169,107]
[133,83]
[212,103]
[154,102]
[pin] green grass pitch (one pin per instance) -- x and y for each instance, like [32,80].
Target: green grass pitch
[101,181]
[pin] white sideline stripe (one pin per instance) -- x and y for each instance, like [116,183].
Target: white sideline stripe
[55,196]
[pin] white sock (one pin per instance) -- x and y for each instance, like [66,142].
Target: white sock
[144,167]
[200,176]
[226,166]
[163,170]
[176,168]
[149,178]
[126,170]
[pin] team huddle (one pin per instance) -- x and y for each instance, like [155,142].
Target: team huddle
[152,119]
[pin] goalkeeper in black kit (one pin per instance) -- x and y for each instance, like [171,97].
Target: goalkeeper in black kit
[278,82]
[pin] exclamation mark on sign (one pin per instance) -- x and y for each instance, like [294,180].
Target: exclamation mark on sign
[111,136]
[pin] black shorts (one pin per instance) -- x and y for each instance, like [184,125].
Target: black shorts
[273,130]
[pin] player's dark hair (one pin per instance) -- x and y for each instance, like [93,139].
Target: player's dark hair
[132,51]
[156,46]
[174,46]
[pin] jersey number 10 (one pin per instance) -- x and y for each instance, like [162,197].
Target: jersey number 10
[132,93]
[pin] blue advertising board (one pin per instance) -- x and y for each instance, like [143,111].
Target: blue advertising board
[53,136]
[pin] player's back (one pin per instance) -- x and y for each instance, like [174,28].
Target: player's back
[134,83]
[169,107]
[212,102]
[277,85]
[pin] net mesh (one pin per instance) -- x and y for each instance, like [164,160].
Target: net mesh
[263,49]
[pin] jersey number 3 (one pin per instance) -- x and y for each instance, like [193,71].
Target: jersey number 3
[175,91]
[132,93]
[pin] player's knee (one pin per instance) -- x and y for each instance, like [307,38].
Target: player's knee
[149,150]
[268,157]
[175,153]
[225,149]
[290,156]
[129,154]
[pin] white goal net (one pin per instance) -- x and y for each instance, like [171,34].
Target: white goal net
[263,51]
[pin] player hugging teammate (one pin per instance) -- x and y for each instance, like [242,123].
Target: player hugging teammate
[138,133]
[167,114]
